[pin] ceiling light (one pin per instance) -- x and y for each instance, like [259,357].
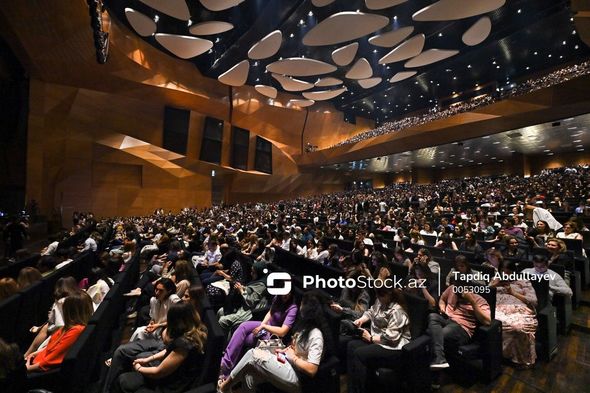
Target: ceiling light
[576,47]
[156,18]
[528,68]
[497,66]
[468,65]
[580,149]
[563,43]
[549,55]
[440,34]
[496,143]
[549,154]
[519,11]
[189,23]
[577,141]
[535,53]
[310,13]
[291,35]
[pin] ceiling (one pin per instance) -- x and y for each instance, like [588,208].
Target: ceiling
[566,135]
[490,43]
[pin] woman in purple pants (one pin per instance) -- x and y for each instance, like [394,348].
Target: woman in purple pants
[278,321]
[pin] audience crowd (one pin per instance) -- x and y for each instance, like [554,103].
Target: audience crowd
[436,113]
[225,253]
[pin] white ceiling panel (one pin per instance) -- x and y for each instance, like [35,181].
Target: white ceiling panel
[343,27]
[300,66]
[405,50]
[184,46]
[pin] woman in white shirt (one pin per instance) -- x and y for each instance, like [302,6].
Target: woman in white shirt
[311,341]
[570,231]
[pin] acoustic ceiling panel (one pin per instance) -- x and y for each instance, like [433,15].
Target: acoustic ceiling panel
[343,27]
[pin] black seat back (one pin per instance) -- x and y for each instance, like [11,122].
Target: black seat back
[417,309]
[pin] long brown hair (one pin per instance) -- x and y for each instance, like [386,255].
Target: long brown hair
[395,294]
[27,277]
[8,287]
[184,321]
[77,309]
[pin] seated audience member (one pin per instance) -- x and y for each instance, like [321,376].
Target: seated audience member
[219,289]
[159,304]
[454,326]
[64,287]
[515,308]
[379,265]
[539,235]
[278,321]
[192,296]
[512,249]
[8,287]
[445,241]
[470,244]
[352,303]
[461,268]
[27,277]
[423,257]
[310,250]
[250,297]
[556,283]
[557,253]
[294,247]
[268,255]
[493,259]
[423,283]
[284,370]
[90,243]
[389,331]
[77,309]
[51,247]
[175,368]
[182,277]
[99,285]
[46,265]
[13,372]
[428,231]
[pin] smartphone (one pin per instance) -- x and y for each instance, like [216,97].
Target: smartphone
[261,333]
[281,357]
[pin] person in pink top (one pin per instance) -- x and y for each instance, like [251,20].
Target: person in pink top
[454,326]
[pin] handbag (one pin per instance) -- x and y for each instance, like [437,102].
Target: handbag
[270,344]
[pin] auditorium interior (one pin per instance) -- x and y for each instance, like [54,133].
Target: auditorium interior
[189,188]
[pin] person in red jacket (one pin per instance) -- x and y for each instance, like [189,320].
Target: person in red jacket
[77,310]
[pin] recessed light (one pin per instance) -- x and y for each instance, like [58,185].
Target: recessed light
[496,143]
[535,53]
[440,34]
[580,150]
[310,13]
[518,11]
[577,141]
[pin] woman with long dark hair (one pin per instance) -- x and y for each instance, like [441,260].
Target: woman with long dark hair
[311,342]
[382,342]
[175,368]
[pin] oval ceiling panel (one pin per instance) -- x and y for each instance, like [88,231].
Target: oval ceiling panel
[210,28]
[174,8]
[266,47]
[400,76]
[360,70]
[302,103]
[300,66]
[391,38]
[382,4]
[321,3]
[237,75]
[329,81]
[478,33]
[323,95]
[430,56]
[343,56]
[142,24]
[370,82]
[219,5]
[268,91]
[344,26]
[406,50]
[292,84]
[184,46]
[456,9]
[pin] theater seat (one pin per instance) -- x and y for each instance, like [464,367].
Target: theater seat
[546,335]
[412,372]
[483,354]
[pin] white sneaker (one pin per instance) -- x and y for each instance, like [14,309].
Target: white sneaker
[439,366]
